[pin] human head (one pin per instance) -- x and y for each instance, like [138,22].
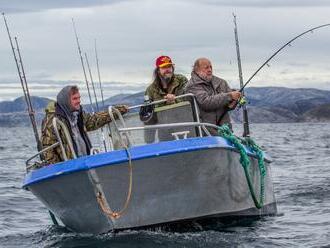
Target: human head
[203,68]
[164,68]
[69,98]
[74,98]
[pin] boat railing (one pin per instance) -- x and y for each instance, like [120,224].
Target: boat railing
[188,95]
[124,132]
[203,125]
[56,123]
[28,163]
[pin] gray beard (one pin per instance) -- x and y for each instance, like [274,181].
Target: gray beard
[207,79]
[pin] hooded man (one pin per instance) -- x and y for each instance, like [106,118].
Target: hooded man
[166,84]
[213,94]
[68,110]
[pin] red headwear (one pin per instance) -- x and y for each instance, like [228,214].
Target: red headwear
[163,61]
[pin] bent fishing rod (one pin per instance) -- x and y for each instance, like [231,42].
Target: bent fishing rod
[24,84]
[270,58]
[280,49]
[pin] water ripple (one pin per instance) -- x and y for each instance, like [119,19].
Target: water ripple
[301,172]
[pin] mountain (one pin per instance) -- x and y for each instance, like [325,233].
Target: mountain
[318,114]
[280,104]
[295,100]
[19,105]
[266,104]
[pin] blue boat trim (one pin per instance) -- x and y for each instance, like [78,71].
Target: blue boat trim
[120,156]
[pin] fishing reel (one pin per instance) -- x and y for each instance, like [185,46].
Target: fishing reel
[241,102]
[238,104]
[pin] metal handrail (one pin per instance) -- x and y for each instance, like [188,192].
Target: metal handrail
[169,125]
[160,101]
[67,136]
[125,129]
[27,162]
[177,97]
[112,109]
[59,142]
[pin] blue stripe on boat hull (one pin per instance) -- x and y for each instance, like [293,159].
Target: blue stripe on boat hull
[119,156]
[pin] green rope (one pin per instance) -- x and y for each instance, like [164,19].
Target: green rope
[226,133]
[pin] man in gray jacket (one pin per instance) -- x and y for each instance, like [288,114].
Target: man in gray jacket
[213,94]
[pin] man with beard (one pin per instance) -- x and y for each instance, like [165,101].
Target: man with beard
[68,110]
[166,84]
[213,94]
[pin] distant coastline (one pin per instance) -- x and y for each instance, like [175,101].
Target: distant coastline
[266,105]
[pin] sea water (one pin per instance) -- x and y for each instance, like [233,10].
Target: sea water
[301,175]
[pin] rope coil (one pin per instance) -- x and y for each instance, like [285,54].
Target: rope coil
[101,200]
[226,133]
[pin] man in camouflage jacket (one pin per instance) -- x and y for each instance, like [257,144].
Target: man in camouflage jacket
[166,84]
[68,110]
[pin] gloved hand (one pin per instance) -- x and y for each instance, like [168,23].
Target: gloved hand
[122,108]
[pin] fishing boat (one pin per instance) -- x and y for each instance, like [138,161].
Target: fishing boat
[161,166]
[180,174]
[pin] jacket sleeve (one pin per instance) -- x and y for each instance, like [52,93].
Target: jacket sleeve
[151,92]
[180,90]
[208,102]
[99,119]
[48,138]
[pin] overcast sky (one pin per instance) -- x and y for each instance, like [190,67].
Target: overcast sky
[131,34]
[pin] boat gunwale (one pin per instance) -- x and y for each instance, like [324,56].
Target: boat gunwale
[137,153]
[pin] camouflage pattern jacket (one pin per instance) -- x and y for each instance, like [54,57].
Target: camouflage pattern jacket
[86,122]
[176,87]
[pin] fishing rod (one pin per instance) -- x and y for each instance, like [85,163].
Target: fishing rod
[270,58]
[246,128]
[28,98]
[280,49]
[92,82]
[98,73]
[96,101]
[26,92]
[101,90]
[83,65]
[21,75]
[86,80]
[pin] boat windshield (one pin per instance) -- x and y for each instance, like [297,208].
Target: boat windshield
[154,122]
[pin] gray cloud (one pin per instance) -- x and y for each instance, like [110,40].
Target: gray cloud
[269,3]
[132,34]
[11,6]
